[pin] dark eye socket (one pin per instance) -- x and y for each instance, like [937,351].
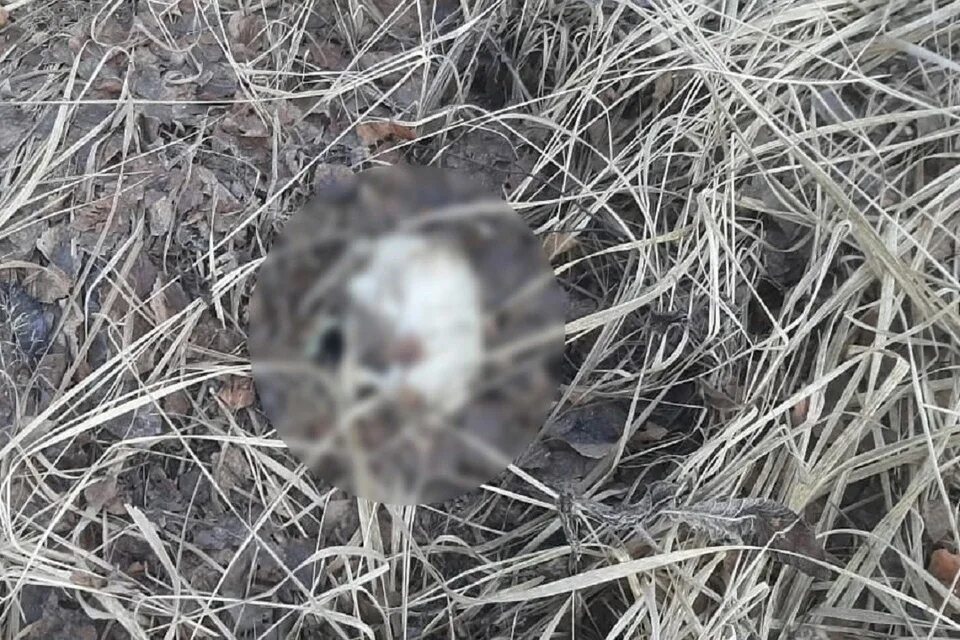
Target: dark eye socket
[328,348]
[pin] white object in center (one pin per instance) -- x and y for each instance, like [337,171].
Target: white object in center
[425,291]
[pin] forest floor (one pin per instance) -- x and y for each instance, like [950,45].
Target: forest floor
[753,207]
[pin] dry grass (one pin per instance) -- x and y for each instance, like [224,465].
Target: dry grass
[776,179]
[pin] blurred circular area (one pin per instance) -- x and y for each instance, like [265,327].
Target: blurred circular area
[405,332]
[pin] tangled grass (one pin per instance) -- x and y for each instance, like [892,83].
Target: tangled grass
[758,203]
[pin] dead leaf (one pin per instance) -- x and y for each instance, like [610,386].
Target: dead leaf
[237,392]
[230,468]
[244,122]
[558,243]
[57,621]
[48,284]
[220,532]
[799,411]
[16,124]
[220,83]
[52,366]
[936,519]
[167,299]
[4,17]
[555,465]
[717,398]
[115,507]
[88,580]
[329,56]
[142,275]
[160,211]
[227,203]
[662,87]
[592,430]
[100,493]
[651,433]
[57,246]
[373,133]
[787,246]
[143,422]
[944,566]
[94,216]
[177,403]
[244,34]
[109,87]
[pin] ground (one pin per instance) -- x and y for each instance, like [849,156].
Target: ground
[752,206]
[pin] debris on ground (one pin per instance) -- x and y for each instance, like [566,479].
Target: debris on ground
[753,212]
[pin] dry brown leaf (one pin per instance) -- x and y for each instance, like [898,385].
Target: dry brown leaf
[227,203]
[4,17]
[718,398]
[944,566]
[48,284]
[161,212]
[177,403]
[554,464]
[373,133]
[799,411]
[93,216]
[244,122]
[652,433]
[591,431]
[100,493]
[329,56]
[230,468]
[244,30]
[115,507]
[143,422]
[88,580]
[556,244]
[109,87]
[237,392]
[167,299]
[59,248]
